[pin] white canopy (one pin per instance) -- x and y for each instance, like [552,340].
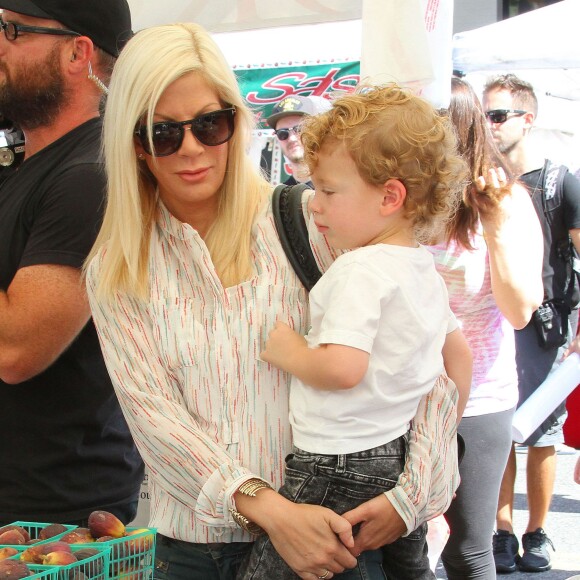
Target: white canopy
[230,15]
[542,38]
[406,42]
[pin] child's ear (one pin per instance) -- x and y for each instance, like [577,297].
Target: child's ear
[394,195]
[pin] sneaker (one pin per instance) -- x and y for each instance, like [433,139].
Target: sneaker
[505,551]
[536,557]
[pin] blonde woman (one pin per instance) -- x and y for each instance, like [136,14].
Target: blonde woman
[185,281]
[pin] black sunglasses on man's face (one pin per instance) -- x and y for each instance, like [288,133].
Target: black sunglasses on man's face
[501,115]
[284,134]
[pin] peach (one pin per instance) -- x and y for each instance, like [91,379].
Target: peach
[50,531]
[78,536]
[94,568]
[139,545]
[23,532]
[102,523]
[35,554]
[13,537]
[7,552]
[59,558]
[12,569]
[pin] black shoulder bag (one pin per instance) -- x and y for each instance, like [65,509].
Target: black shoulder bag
[293,232]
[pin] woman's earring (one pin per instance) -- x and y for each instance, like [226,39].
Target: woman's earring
[141,156]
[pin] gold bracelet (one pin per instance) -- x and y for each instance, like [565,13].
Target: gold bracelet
[246,524]
[251,486]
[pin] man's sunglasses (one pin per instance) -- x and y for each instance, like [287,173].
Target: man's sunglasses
[209,129]
[12,30]
[501,115]
[283,134]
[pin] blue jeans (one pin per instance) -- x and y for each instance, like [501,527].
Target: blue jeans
[341,483]
[177,560]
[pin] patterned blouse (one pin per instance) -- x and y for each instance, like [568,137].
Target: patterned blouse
[206,413]
[489,335]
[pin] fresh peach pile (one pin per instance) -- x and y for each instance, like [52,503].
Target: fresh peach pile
[18,536]
[102,527]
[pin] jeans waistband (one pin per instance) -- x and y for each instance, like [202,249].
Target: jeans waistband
[166,541]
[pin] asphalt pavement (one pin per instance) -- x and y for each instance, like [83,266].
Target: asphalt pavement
[562,525]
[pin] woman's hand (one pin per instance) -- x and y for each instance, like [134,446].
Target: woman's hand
[380,524]
[487,195]
[312,540]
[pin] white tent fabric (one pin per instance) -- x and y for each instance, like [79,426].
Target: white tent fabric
[543,38]
[230,15]
[408,43]
[340,41]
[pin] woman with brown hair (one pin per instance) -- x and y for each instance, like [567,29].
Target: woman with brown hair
[491,260]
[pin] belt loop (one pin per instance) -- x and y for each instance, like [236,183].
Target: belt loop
[340,463]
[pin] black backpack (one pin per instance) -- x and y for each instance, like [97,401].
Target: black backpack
[552,196]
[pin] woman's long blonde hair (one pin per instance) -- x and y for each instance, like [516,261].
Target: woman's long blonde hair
[152,60]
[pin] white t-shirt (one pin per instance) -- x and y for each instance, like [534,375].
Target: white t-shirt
[390,302]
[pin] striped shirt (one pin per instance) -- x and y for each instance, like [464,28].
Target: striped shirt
[205,412]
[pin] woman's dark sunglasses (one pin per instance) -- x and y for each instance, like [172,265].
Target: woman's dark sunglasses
[209,129]
[501,115]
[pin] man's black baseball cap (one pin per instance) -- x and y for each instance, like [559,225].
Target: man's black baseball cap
[106,22]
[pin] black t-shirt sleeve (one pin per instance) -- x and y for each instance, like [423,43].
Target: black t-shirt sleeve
[67,218]
[571,194]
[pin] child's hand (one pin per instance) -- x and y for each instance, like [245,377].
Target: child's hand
[282,345]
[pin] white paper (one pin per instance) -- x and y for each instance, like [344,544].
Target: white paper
[553,391]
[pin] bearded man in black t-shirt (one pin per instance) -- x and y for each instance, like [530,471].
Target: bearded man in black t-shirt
[65,447]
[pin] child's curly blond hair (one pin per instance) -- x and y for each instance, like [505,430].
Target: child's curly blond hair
[391,133]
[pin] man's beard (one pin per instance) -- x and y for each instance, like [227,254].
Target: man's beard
[296,156]
[33,94]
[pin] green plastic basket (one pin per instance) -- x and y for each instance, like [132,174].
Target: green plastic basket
[95,567]
[34,528]
[132,557]
[45,574]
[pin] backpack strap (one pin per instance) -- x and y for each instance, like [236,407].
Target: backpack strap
[553,175]
[293,232]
